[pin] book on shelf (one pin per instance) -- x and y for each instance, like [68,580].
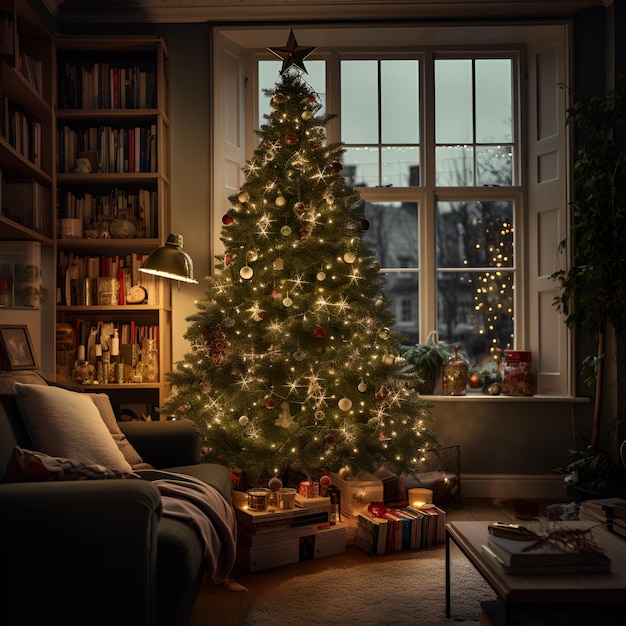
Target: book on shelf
[7,40]
[526,557]
[26,202]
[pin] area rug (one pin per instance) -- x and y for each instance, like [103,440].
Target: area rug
[377,594]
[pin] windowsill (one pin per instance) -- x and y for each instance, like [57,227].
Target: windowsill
[483,397]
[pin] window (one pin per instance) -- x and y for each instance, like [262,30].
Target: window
[474,151]
[466,198]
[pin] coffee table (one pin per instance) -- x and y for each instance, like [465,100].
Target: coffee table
[515,589]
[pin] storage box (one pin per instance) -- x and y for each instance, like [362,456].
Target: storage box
[358,492]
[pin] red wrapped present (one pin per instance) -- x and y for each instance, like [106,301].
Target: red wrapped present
[309,489]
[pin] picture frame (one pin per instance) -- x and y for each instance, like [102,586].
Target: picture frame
[17,348]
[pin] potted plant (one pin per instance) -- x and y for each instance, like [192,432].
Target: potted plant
[593,288]
[428,359]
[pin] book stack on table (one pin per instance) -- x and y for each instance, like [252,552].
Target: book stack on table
[277,536]
[540,555]
[406,528]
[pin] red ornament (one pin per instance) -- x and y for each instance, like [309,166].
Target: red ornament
[227,219]
[330,439]
[299,207]
[261,315]
[291,139]
[270,404]
[227,259]
[377,509]
[302,239]
[319,332]
[337,166]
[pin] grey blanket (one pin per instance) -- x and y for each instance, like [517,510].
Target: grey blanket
[202,506]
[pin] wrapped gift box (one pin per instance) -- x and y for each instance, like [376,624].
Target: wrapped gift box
[309,489]
[358,492]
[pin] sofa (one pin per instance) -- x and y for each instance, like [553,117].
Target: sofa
[82,543]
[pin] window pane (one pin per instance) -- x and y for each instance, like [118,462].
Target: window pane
[475,234]
[454,166]
[494,165]
[400,166]
[359,102]
[393,233]
[269,73]
[360,167]
[453,101]
[402,289]
[475,312]
[475,279]
[494,98]
[400,101]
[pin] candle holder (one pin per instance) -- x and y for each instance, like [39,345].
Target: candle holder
[419,496]
[258,498]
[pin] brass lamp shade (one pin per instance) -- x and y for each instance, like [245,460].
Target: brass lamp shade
[170,261]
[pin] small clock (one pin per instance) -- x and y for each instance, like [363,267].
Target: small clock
[137,294]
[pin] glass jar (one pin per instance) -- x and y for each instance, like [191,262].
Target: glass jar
[454,375]
[149,365]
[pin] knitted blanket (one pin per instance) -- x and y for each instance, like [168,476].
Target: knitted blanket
[203,507]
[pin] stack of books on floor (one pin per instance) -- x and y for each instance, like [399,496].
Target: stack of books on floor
[619,519]
[406,528]
[599,510]
[275,537]
[541,555]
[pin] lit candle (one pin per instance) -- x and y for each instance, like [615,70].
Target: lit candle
[420,496]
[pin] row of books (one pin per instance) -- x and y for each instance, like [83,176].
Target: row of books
[88,334]
[406,528]
[7,39]
[32,70]
[21,131]
[103,86]
[141,206]
[118,150]
[26,202]
[103,280]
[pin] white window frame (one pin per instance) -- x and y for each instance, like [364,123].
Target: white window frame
[539,226]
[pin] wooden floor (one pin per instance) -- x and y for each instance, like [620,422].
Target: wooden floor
[217,605]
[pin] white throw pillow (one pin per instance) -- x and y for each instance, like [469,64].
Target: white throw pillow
[68,424]
[103,404]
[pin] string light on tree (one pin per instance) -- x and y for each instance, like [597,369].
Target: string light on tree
[308,346]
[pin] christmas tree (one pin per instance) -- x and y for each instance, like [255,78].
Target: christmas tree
[292,363]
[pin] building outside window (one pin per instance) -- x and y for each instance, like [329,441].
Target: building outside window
[455,137]
[417,165]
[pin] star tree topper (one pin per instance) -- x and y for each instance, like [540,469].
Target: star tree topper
[292,54]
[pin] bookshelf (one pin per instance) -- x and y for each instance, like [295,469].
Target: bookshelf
[27,176]
[113,197]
